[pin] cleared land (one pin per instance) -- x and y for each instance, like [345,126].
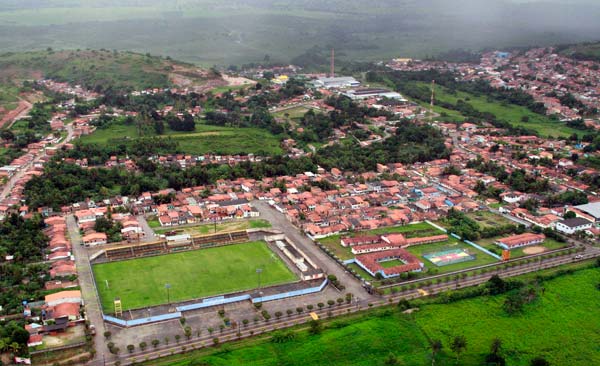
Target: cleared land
[556,326]
[205,139]
[200,273]
[220,227]
[488,219]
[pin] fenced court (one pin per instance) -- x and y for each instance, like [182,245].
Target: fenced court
[449,256]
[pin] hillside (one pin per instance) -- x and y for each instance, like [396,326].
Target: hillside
[100,70]
[584,51]
[212,32]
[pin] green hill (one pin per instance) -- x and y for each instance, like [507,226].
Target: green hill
[102,69]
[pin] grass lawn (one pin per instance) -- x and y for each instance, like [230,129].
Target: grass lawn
[410,231]
[364,274]
[153,222]
[557,326]
[488,243]
[220,228]
[141,282]
[293,113]
[488,219]
[205,139]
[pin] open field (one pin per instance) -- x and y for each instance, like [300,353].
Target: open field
[409,231]
[488,219]
[556,326]
[549,244]
[205,139]
[200,273]
[220,227]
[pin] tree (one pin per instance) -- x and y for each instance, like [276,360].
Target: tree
[315,327]
[494,358]
[458,345]
[155,343]
[569,215]
[539,361]
[436,347]
[188,332]
[143,345]
[391,360]
[130,348]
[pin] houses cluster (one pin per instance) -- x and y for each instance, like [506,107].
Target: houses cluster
[378,243]
[372,263]
[62,262]
[86,214]
[191,209]
[59,311]
[543,73]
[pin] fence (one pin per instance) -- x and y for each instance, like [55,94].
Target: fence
[142,321]
[477,246]
[212,302]
[284,295]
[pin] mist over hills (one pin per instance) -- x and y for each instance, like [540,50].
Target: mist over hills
[234,32]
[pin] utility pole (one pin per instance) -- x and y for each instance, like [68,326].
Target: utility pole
[332,70]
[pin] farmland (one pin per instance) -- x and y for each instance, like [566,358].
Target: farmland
[555,326]
[206,272]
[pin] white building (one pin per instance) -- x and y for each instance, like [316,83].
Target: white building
[366,93]
[571,226]
[336,82]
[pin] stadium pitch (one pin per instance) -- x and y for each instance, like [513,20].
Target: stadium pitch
[194,274]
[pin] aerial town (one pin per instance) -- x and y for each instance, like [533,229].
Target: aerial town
[185,250]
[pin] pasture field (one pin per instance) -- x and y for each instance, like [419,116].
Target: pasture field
[194,274]
[555,326]
[223,227]
[205,139]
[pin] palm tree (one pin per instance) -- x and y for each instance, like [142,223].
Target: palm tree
[436,347]
[458,345]
[14,347]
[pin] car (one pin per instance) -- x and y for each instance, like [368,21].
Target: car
[578,256]
[93,329]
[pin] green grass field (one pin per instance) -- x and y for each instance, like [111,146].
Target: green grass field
[205,139]
[557,326]
[194,274]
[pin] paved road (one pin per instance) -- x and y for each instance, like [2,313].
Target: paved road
[148,232]
[328,265]
[88,291]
